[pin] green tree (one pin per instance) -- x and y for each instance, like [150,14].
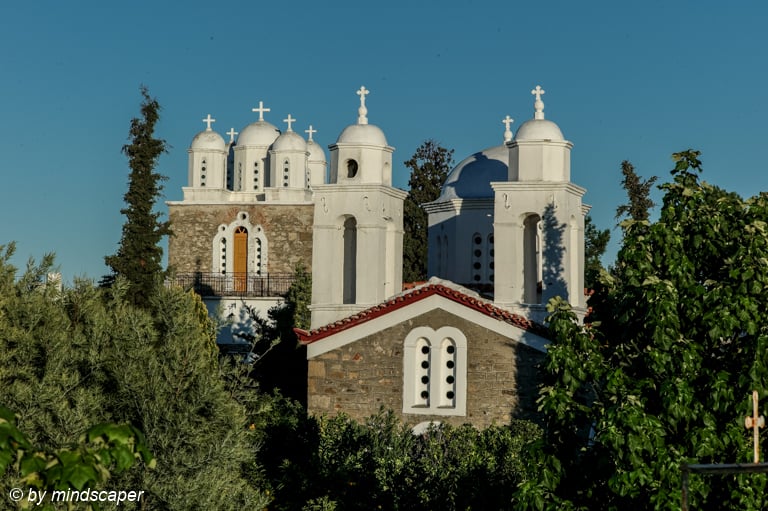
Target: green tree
[286,368]
[638,194]
[74,357]
[139,256]
[666,378]
[381,464]
[429,167]
[103,450]
[595,243]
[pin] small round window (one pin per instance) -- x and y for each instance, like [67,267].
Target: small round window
[351,168]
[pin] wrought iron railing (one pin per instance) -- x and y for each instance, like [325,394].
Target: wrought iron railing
[235,284]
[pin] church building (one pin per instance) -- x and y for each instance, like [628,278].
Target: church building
[505,235]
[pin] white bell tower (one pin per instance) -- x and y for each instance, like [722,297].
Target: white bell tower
[207,159]
[358,225]
[539,221]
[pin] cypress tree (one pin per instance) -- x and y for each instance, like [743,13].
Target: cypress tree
[139,257]
[429,166]
[638,194]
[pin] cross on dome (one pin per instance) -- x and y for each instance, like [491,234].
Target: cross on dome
[508,132]
[290,120]
[310,132]
[208,121]
[362,111]
[538,105]
[232,134]
[261,110]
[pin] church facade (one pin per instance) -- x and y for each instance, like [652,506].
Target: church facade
[505,235]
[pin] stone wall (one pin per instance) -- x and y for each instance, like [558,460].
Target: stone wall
[287,227]
[361,377]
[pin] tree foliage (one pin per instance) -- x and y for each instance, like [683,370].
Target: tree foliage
[665,378]
[638,194]
[338,463]
[429,167]
[103,450]
[286,369]
[73,358]
[595,243]
[139,256]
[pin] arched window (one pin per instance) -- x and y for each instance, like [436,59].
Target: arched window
[489,255]
[351,168]
[423,369]
[240,251]
[445,257]
[203,168]
[439,257]
[532,264]
[349,270]
[447,374]
[257,258]
[286,172]
[477,258]
[435,371]
[223,251]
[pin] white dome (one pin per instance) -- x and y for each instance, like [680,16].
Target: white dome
[364,134]
[289,141]
[208,140]
[539,129]
[260,133]
[316,152]
[472,177]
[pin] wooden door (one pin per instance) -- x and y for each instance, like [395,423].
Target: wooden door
[241,259]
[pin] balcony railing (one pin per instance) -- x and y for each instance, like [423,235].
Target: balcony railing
[236,284]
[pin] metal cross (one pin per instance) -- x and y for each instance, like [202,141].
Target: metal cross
[290,121]
[507,133]
[362,93]
[507,121]
[310,132]
[538,91]
[208,121]
[755,422]
[232,134]
[261,110]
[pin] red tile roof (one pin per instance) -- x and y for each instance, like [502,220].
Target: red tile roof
[412,296]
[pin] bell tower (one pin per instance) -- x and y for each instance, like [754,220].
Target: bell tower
[358,225]
[539,221]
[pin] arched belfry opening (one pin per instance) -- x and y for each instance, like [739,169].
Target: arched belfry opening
[349,269]
[532,263]
[240,258]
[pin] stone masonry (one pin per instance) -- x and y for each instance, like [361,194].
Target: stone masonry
[287,227]
[363,376]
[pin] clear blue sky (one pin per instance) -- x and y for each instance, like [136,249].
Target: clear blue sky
[633,81]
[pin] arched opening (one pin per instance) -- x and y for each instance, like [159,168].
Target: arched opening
[350,260]
[240,259]
[351,168]
[477,258]
[576,276]
[447,384]
[532,284]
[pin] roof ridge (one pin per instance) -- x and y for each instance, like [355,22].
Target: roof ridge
[455,292]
